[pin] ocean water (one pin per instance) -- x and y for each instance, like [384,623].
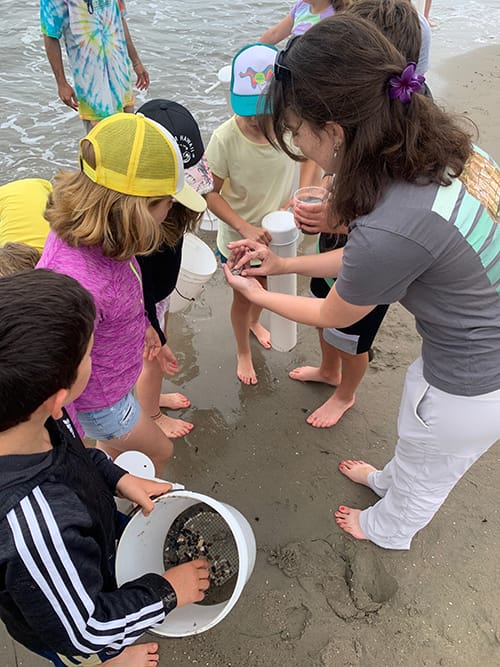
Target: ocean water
[183,45]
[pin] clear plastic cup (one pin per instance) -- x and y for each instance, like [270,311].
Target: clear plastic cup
[310,195]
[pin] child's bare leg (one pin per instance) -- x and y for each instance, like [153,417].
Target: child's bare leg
[240,319]
[141,655]
[328,372]
[260,332]
[175,400]
[148,394]
[145,437]
[353,369]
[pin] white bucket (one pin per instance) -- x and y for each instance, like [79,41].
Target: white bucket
[198,264]
[141,547]
[209,222]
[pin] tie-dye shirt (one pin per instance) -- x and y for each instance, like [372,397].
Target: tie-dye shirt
[436,250]
[303,19]
[97,52]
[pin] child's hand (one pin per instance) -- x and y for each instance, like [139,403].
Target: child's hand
[189,581]
[140,491]
[258,234]
[312,218]
[152,344]
[167,360]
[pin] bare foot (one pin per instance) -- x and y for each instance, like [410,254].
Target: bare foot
[330,412]
[357,471]
[245,371]
[313,374]
[173,428]
[348,519]
[261,334]
[174,401]
[142,655]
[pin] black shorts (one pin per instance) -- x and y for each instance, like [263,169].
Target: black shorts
[357,338]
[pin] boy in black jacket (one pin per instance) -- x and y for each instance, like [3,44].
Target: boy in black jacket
[58,593]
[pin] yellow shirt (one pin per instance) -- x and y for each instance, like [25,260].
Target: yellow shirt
[258,179]
[22,204]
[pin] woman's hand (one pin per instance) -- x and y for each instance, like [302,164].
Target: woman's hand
[242,252]
[140,491]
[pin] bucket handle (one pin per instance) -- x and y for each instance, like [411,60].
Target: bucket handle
[186,298]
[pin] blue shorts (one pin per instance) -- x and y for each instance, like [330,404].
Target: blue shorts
[113,422]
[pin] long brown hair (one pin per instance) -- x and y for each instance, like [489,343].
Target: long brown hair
[179,220]
[339,71]
[397,19]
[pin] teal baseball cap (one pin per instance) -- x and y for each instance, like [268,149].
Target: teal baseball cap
[251,70]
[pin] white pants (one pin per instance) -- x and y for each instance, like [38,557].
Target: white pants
[440,436]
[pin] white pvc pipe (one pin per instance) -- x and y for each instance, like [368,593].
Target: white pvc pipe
[281,226]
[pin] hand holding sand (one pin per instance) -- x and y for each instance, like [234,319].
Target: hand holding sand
[140,491]
[189,581]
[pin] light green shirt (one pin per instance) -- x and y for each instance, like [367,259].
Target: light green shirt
[258,179]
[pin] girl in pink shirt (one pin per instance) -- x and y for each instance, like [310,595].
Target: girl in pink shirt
[100,219]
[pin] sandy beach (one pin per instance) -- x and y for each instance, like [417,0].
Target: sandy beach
[317,597]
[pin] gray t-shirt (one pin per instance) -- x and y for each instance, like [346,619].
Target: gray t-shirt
[436,250]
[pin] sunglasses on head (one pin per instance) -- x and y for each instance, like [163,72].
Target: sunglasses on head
[280,70]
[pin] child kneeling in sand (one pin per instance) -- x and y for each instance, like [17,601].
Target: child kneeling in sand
[58,520]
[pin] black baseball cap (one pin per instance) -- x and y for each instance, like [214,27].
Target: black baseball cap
[181,124]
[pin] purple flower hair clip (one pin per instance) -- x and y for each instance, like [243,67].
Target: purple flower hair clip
[402,87]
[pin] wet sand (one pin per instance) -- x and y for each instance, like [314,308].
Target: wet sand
[317,597]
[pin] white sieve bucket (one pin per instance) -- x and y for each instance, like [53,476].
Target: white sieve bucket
[198,264]
[141,550]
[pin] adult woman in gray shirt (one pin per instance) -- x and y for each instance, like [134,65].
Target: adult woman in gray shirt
[422,206]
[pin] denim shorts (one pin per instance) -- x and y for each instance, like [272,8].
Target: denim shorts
[113,422]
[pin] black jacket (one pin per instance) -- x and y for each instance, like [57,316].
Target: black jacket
[57,546]
[159,277]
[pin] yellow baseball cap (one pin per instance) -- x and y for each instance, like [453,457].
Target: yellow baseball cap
[137,156]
